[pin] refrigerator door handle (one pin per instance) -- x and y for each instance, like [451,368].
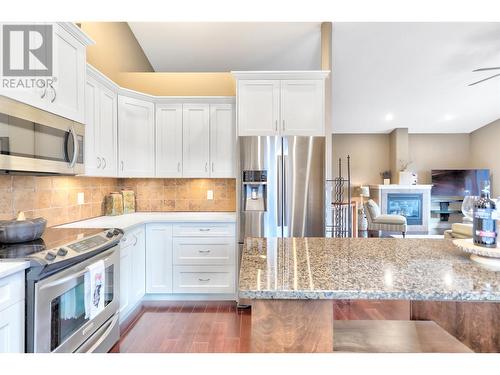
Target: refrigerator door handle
[279,170]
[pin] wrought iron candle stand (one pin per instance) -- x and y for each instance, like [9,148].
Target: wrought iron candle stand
[341,209]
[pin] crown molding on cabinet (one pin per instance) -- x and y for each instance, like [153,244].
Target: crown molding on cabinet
[96,74]
[75,31]
[289,74]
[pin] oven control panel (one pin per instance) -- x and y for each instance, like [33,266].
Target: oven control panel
[88,243]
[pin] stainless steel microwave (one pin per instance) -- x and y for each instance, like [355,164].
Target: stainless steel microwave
[38,142]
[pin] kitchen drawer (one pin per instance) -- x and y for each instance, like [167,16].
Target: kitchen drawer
[11,289]
[204,251]
[203,279]
[203,230]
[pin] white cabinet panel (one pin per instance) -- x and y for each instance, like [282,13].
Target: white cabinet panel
[203,251]
[302,107]
[159,258]
[196,136]
[203,279]
[136,145]
[101,128]
[169,140]
[66,97]
[11,289]
[12,328]
[258,107]
[132,270]
[203,230]
[222,141]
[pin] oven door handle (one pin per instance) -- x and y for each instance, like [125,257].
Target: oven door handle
[103,336]
[67,278]
[75,147]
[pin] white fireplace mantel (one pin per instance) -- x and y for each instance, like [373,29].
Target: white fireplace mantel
[379,193]
[400,187]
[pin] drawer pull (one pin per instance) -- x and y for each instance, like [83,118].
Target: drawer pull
[203,280]
[204,251]
[204,229]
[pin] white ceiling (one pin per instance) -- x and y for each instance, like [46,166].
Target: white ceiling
[226,46]
[416,73]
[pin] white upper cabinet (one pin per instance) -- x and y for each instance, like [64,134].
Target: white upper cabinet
[66,94]
[222,141]
[101,128]
[258,107]
[169,140]
[302,107]
[62,93]
[196,136]
[136,137]
[281,103]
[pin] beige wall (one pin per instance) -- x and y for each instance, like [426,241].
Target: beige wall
[398,152]
[485,152]
[437,151]
[369,156]
[115,50]
[179,84]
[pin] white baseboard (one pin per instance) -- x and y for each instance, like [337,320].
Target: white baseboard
[190,297]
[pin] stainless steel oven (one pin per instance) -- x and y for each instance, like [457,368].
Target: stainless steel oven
[36,141]
[59,320]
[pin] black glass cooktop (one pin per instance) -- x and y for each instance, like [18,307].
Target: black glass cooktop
[52,238]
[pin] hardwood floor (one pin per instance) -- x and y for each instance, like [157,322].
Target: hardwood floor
[210,327]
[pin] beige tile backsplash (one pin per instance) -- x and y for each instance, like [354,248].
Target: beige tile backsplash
[55,198]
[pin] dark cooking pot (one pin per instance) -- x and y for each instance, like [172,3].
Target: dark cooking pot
[14,231]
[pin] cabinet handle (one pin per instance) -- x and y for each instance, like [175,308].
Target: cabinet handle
[204,251]
[55,93]
[178,166]
[213,166]
[104,166]
[206,166]
[276,125]
[98,162]
[204,280]
[283,125]
[204,229]
[122,165]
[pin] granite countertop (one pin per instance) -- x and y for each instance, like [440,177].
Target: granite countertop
[8,268]
[130,220]
[363,268]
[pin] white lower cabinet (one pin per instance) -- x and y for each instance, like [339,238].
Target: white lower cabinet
[12,313]
[132,270]
[197,258]
[159,258]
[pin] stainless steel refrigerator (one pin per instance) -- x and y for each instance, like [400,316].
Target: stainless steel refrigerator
[282,186]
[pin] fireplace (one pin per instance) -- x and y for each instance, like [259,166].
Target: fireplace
[406,204]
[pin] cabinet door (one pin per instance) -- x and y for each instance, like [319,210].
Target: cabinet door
[159,258]
[125,277]
[12,328]
[222,141]
[195,140]
[93,161]
[66,97]
[138,256]
[258,107]
[302,107]
[169,140]
[108,129]
[136,146]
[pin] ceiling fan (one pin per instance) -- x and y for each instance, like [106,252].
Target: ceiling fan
[485,79]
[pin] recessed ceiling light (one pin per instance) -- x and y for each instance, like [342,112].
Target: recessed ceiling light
[389,117]
[448,117]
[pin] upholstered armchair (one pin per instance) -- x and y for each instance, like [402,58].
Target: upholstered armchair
[383,222]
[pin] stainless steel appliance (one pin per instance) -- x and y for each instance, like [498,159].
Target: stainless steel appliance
[55,292]
[39,142]
[283,183]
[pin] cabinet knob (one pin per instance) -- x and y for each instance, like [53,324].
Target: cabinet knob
[178,166]
[213,167]
[206,167]
[121,165]
[98,162]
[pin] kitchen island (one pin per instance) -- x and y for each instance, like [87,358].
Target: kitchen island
[292,281]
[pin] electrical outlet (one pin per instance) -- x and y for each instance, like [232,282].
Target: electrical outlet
[210,194]
[80,198]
